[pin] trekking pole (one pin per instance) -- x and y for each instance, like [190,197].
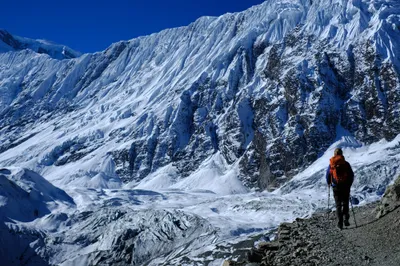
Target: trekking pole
[352,209]
[329,197]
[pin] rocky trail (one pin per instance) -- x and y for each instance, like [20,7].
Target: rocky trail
[317,240]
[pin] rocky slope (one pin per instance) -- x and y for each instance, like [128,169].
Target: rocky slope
[317,241]
[270,89]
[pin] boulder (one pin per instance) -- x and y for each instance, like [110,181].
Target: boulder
[390,200]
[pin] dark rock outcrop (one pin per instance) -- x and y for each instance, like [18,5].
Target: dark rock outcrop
[390,200]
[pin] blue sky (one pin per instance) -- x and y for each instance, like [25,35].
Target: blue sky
[90,26]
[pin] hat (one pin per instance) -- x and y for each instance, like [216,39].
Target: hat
[338,151]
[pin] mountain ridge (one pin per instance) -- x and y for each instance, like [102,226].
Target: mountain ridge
[9,42]
[236,92]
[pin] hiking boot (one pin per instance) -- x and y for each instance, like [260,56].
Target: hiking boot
[340,226]
[346,223]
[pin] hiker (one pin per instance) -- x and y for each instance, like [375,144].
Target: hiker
[340,176]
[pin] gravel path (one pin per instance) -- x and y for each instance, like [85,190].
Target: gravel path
[373,242]
[317,241]
[379,240]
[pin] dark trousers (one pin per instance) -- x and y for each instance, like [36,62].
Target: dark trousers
[342,197]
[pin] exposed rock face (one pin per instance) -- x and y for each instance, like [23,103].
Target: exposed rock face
[270,88]
[390,200]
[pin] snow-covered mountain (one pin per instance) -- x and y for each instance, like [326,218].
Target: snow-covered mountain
[270,88]
[242,102]
[9,42]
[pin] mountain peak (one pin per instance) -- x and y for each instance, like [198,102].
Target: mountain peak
[9,42]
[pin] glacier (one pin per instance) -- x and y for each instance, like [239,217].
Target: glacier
[166,147]
[177,224]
